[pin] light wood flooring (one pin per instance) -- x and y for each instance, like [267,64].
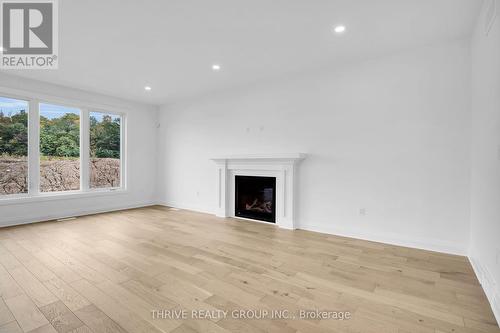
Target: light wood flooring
[108,272]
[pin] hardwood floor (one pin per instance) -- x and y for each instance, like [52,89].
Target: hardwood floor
[110,272]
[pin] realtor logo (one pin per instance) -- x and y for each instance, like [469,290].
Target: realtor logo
[29,36]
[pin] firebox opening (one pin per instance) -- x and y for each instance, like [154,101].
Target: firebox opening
[256,198]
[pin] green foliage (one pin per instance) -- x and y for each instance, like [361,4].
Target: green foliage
[60,136]
[105,137]
[14,134]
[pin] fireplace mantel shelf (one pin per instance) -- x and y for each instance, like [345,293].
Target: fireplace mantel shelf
[263,157]
[282,166]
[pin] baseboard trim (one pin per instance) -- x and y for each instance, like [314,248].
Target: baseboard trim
[392,239]
[178,205]
[489,285]
[50,217]
[423,244]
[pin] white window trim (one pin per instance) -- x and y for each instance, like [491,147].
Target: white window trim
[34,195]
[33,148]
[123,154]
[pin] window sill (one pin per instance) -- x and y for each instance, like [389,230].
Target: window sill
[70,195]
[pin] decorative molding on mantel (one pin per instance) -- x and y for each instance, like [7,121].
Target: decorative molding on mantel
[281,166]
[293,157]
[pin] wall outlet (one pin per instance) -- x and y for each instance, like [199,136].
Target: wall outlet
[362,211]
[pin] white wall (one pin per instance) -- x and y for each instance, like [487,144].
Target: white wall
[485,171]
[390,136]
[141,156]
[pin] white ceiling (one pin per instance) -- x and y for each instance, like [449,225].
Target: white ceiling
[117,47]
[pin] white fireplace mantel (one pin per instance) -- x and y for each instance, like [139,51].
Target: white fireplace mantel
[281,166]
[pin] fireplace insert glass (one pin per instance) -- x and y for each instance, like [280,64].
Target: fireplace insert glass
[256,198]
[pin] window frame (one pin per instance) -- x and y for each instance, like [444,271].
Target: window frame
[34,194]
[122,149]
[28,179]
[37,180]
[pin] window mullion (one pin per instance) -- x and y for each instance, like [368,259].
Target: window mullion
[123,155]
[34,148]
[84,150]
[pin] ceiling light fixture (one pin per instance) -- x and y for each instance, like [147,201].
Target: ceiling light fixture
[216,68]
[147,88]
[339,29]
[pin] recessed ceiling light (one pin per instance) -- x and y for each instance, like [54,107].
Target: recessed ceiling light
[339,29]
[147,88]
[216,68]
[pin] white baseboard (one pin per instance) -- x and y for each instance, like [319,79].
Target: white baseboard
[394,239]
[195,208]
[490,286]
[391,238]
[49,217]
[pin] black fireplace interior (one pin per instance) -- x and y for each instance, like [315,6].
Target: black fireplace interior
[256,198]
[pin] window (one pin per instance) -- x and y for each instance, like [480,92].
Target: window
[59,148]
[13,146]
[68,149]
[105,150]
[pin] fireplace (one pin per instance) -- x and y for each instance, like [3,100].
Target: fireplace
[281,168]
[255,198]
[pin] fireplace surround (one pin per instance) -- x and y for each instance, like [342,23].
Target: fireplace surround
[281,167]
